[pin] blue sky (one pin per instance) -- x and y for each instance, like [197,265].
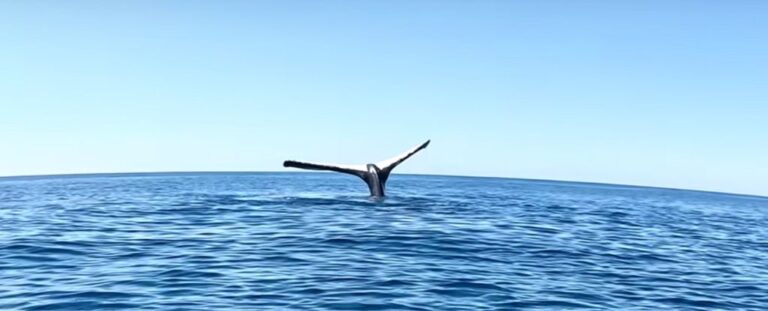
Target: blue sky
[658,93]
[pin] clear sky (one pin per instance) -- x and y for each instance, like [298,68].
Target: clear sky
[657,93]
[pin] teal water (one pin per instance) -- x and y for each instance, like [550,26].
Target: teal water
[314,241]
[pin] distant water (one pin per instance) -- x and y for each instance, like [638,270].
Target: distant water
[303,241]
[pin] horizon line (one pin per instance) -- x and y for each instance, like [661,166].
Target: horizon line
[416,174]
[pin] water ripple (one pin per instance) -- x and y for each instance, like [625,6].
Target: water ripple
[313,242]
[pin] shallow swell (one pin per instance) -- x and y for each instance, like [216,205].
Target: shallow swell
[311,242]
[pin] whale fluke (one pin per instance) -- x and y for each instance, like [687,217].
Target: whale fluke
[349,169]
[375,175]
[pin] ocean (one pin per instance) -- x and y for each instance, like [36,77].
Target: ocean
[315,241]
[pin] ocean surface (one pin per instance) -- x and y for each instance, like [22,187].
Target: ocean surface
[315,241]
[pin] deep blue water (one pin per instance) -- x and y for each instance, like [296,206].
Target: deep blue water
[303,241]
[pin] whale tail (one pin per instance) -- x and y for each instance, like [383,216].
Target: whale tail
[374,175]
